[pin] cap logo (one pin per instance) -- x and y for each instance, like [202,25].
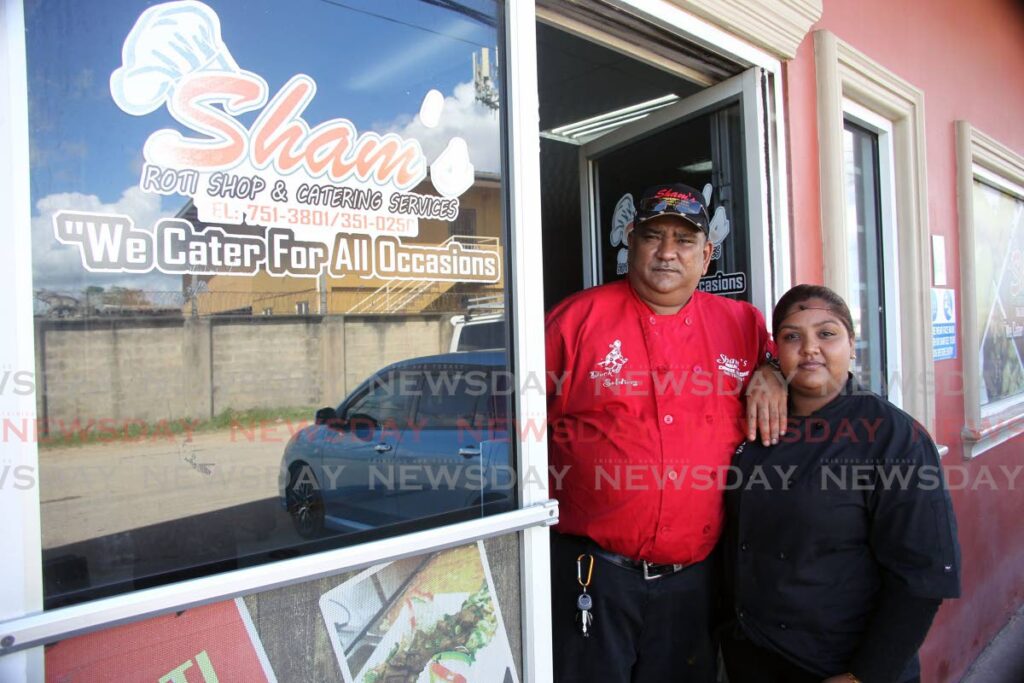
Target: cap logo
[669,193]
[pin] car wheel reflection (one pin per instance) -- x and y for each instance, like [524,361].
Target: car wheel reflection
[304,502]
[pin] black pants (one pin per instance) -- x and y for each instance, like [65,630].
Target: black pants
[745,662]
[643,631]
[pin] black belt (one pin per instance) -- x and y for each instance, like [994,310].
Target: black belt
[650,570]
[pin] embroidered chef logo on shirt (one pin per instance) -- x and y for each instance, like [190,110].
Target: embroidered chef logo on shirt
[611,366]
[732,367]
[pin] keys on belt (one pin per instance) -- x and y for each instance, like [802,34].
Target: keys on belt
[585,602]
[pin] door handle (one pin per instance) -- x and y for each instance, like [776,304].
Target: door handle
[469,451]
[382,447]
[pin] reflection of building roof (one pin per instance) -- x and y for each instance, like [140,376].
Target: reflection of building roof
[479,224]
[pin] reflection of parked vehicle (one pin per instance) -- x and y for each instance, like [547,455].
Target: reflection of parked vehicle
[422,437]
[478,332]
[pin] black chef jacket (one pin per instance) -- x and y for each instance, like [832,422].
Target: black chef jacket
[850,504]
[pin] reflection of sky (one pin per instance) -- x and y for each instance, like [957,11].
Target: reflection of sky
[853,221]
[372,60]
[367,69]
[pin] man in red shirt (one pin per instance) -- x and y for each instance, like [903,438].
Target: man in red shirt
[646,406]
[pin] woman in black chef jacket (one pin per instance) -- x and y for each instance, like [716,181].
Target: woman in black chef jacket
[840,542]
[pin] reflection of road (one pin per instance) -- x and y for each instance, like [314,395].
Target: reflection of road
[119,516]
[101,489]
[119,513]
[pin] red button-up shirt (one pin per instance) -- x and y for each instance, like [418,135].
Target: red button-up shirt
[644,414]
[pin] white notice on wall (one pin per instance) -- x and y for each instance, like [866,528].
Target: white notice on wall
[939,260]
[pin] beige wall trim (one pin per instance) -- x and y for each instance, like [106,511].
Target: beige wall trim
[975,149]
[845,73]
[778,26]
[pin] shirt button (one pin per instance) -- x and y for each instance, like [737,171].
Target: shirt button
[688,321]
[741,613]
[744,547]
[696,368]
[782,556]
[707,529]
[668,419]
[783,627]
[672,475]
[653,320]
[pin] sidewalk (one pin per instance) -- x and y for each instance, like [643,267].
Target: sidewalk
[1003,660]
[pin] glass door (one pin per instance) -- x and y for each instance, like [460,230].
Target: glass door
[712,141]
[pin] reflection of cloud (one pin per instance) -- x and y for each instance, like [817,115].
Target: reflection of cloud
[412,58]
[59,267]
[462,116]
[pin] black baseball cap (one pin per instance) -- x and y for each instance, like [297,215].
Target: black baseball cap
[674,199]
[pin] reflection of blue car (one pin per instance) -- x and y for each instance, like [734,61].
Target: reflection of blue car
[422,437]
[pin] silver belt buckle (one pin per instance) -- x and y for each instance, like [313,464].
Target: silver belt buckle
[648,577]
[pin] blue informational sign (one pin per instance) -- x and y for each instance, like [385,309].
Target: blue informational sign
[943,324]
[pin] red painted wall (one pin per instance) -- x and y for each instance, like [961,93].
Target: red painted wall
[968,58]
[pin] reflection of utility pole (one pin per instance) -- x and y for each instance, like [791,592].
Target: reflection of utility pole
[483,81]
[321,284]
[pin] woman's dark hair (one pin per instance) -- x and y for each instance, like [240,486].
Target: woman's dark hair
[792,299]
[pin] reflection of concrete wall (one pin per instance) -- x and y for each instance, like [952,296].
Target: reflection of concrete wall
[257,364]
[114,369]
[152,370]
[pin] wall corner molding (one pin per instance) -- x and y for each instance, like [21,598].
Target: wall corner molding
[778,26]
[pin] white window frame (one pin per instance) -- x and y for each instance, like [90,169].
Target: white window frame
[21,542]
[844,74]
[981,157]
[881,127]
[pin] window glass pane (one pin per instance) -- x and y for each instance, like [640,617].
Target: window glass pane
[385,399]
[449,400]
[999,281]
[244,212]
[865,277]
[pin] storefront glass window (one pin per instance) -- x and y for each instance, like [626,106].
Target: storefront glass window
[865,276]
[258,230]
[999,279]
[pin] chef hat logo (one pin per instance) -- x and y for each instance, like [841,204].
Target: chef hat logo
[168,42]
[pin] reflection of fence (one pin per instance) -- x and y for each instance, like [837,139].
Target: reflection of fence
[393,298]
[416,295]
[105,304]
[196,368]
[401,295]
